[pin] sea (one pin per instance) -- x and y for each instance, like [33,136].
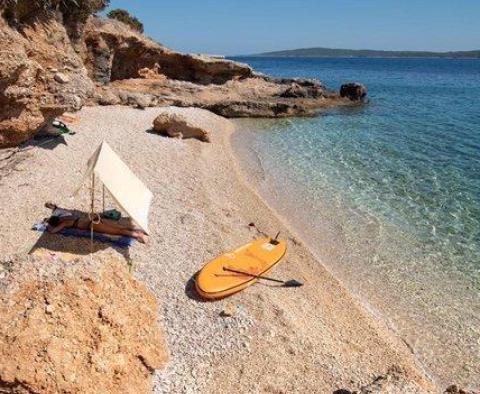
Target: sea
[387,195]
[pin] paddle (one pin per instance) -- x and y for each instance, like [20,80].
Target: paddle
[288,283]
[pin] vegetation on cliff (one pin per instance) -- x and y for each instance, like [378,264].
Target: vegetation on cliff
[125,17]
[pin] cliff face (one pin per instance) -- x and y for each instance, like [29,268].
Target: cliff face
[55,58]
[115,52]
[41,75]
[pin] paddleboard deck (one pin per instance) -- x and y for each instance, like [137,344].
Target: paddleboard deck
[257,257]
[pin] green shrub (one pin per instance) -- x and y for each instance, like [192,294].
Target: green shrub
[125,17]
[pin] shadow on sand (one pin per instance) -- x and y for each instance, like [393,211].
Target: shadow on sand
[190,290]
[73,245]
[49,142]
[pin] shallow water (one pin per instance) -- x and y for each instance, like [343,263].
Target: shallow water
[388,195]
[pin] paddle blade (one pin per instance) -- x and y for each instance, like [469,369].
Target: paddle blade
[292,283]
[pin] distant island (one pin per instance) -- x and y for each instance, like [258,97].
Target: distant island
[330,52]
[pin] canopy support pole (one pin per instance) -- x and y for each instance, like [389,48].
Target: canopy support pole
[92,212]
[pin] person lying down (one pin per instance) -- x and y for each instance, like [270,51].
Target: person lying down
[63,219]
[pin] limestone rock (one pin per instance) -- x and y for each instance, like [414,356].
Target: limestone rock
[178,126]
[61,78]
[35,44]
[116,52]
[77,328]
[137,100]
[55,58]
[354,91]
[259,109]
[174,122]
[149,73]
[295,91]
[302,88]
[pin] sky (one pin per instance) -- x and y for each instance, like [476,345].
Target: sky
[236,27]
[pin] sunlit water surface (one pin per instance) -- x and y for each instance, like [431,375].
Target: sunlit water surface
[388,195]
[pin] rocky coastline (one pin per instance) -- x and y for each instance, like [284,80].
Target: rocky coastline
[56,59]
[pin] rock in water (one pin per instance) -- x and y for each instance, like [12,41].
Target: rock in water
[354,91]
[77,328]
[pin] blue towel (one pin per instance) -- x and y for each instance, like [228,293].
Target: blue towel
[120,241]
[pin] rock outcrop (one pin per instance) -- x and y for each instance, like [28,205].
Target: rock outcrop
[55,57]
[115,52]
[41,75]
[353,91]
[77,327]
[251,97]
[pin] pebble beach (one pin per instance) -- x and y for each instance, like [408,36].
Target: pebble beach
[267,339]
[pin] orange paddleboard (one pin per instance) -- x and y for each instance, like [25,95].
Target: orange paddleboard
[257,257]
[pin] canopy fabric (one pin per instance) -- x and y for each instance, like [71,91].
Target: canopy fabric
[126,189]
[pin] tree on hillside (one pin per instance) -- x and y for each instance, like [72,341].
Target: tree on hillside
[125,17]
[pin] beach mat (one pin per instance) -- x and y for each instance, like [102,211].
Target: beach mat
[120,241]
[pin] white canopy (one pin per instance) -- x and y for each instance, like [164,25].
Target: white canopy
[126,189]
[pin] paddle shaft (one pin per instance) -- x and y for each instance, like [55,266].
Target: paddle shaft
[253,275]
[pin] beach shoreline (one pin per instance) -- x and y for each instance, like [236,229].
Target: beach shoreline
[317,338]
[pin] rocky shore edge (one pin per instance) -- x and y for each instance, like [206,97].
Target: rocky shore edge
[58,57]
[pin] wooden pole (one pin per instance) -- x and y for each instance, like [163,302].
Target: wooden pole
[92,211]
[92,207]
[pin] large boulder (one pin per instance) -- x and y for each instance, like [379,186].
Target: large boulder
[354,91]
[76,327]
[188,123]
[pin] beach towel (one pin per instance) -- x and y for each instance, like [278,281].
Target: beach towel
[120,241]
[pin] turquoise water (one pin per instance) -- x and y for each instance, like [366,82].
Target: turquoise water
[388,195]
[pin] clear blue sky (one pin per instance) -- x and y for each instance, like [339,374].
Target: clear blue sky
[244,26]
